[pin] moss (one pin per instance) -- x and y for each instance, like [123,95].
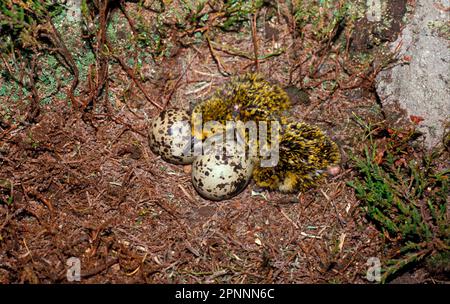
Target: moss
[324,16]
[442,28]
[439,264]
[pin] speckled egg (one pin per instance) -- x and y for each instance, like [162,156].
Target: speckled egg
[221,173]
[170,136]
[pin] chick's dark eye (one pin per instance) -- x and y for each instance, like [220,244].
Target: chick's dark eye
[235,111]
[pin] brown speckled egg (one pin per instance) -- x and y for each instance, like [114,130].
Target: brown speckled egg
[170,136]
[221,174]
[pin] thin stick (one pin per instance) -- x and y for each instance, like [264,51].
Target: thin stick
[130,73]
[99,269]
[340,220]
[255,41]
[288,218]
[130,21]
[172,91]
[216,59]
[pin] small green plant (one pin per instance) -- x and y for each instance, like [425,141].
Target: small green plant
[439,264]
[323,15]
[237,12]
[151,36]
[20,20]
[406,198]
[195,13]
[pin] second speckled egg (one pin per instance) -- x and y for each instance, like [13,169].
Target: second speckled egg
[222,173]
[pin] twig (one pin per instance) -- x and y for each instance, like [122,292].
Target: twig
[231,51]
[216,275]
[188,196]
[216,59]
[41,198]
[128,126]
[311,236]
[9,217]
[178,82]
[341,221]
[170,211]
[102,41]
[441,7]
[130,21]
[255,41]
[288,218]
[62,49]
[99,269]
[235,52]
[28,250]
[130,73]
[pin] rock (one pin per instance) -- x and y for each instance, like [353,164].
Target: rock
[421,85]
[382,23]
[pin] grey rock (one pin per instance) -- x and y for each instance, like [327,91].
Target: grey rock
[422,86]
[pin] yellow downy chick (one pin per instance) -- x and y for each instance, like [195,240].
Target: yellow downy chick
[305,153]
[245,98]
